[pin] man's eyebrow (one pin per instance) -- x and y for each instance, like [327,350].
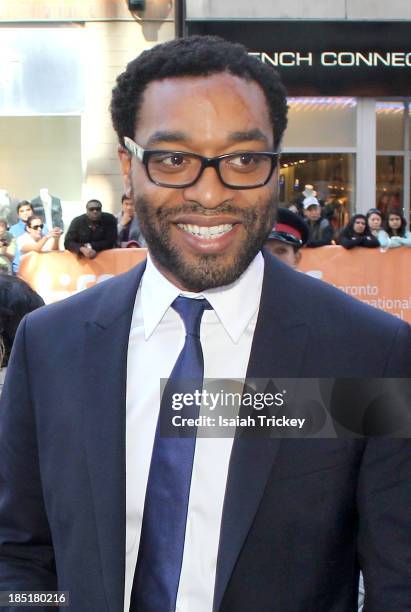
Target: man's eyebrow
[248,135]
[165,136]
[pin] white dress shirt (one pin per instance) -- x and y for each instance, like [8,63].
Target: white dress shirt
[156,338]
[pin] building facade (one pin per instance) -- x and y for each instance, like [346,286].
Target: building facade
[58,63]
[347,68]
[346,64]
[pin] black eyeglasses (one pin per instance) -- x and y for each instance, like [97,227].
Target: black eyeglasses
[36,227]
[178,169]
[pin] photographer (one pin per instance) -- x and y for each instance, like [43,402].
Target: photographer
[7,248]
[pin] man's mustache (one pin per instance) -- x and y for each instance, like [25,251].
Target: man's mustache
[167,212]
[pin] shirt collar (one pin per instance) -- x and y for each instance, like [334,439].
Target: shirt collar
[234,304]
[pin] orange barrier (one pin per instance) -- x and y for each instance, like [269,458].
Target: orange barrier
[380,279]
[58,274]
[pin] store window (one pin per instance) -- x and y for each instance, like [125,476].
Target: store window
[331,174]
[321,122]
[390,125]
[41,152]
[390,181]
[41,101]
[319,149]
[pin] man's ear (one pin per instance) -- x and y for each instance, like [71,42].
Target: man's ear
[297,257]
[125,164]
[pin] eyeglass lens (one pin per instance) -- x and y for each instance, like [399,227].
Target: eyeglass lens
[237,170]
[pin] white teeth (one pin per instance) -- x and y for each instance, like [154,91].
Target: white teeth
[206,232]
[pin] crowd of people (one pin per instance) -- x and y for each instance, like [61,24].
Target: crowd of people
[87,235]
[95,231]
[96,499]
[371,230]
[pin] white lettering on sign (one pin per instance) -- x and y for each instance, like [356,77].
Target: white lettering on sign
[285,58]
[373,59]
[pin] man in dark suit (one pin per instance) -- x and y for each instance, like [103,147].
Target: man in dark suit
[94,500]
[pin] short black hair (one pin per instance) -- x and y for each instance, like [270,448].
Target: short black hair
[193,56]
[125,197]
[24,203]
[93,200]
[17,298]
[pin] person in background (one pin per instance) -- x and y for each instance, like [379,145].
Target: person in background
[320,232]
[395,232]
[17,299]
[357,233]
[24,211]
[7,248]
[124,219]
[287,237]
[92,232]
[128,227]
[374,221]
[33,240]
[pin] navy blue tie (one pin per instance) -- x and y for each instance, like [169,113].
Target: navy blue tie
[161,548]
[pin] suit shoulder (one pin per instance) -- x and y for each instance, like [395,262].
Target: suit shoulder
[106,299]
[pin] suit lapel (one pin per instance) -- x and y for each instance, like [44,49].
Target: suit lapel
[105,361]
[277,352]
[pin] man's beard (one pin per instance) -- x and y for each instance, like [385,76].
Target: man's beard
[207,270]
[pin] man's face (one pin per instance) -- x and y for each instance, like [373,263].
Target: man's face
[313,213]
[359,226]
[208,116]
[284,251]
[25,212]
[93,211]
[127,207]
[35,228]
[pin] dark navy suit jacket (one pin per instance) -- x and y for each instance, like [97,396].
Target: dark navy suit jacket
[299,515]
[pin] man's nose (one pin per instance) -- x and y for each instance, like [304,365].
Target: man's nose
[208,190]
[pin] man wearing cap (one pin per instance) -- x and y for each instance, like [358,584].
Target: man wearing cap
[320,230]
[94,500]
[287,237]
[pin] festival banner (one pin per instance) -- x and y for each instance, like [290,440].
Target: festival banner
[380,279]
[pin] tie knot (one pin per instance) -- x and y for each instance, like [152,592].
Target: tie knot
[191,310]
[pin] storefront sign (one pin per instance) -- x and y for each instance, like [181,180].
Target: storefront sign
[379,279]
[345,58]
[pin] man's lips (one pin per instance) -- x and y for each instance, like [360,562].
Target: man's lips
[205,220]
[214,237]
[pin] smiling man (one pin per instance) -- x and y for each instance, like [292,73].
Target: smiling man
[96,501]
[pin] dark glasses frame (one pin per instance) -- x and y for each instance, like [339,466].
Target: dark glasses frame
[143,155]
